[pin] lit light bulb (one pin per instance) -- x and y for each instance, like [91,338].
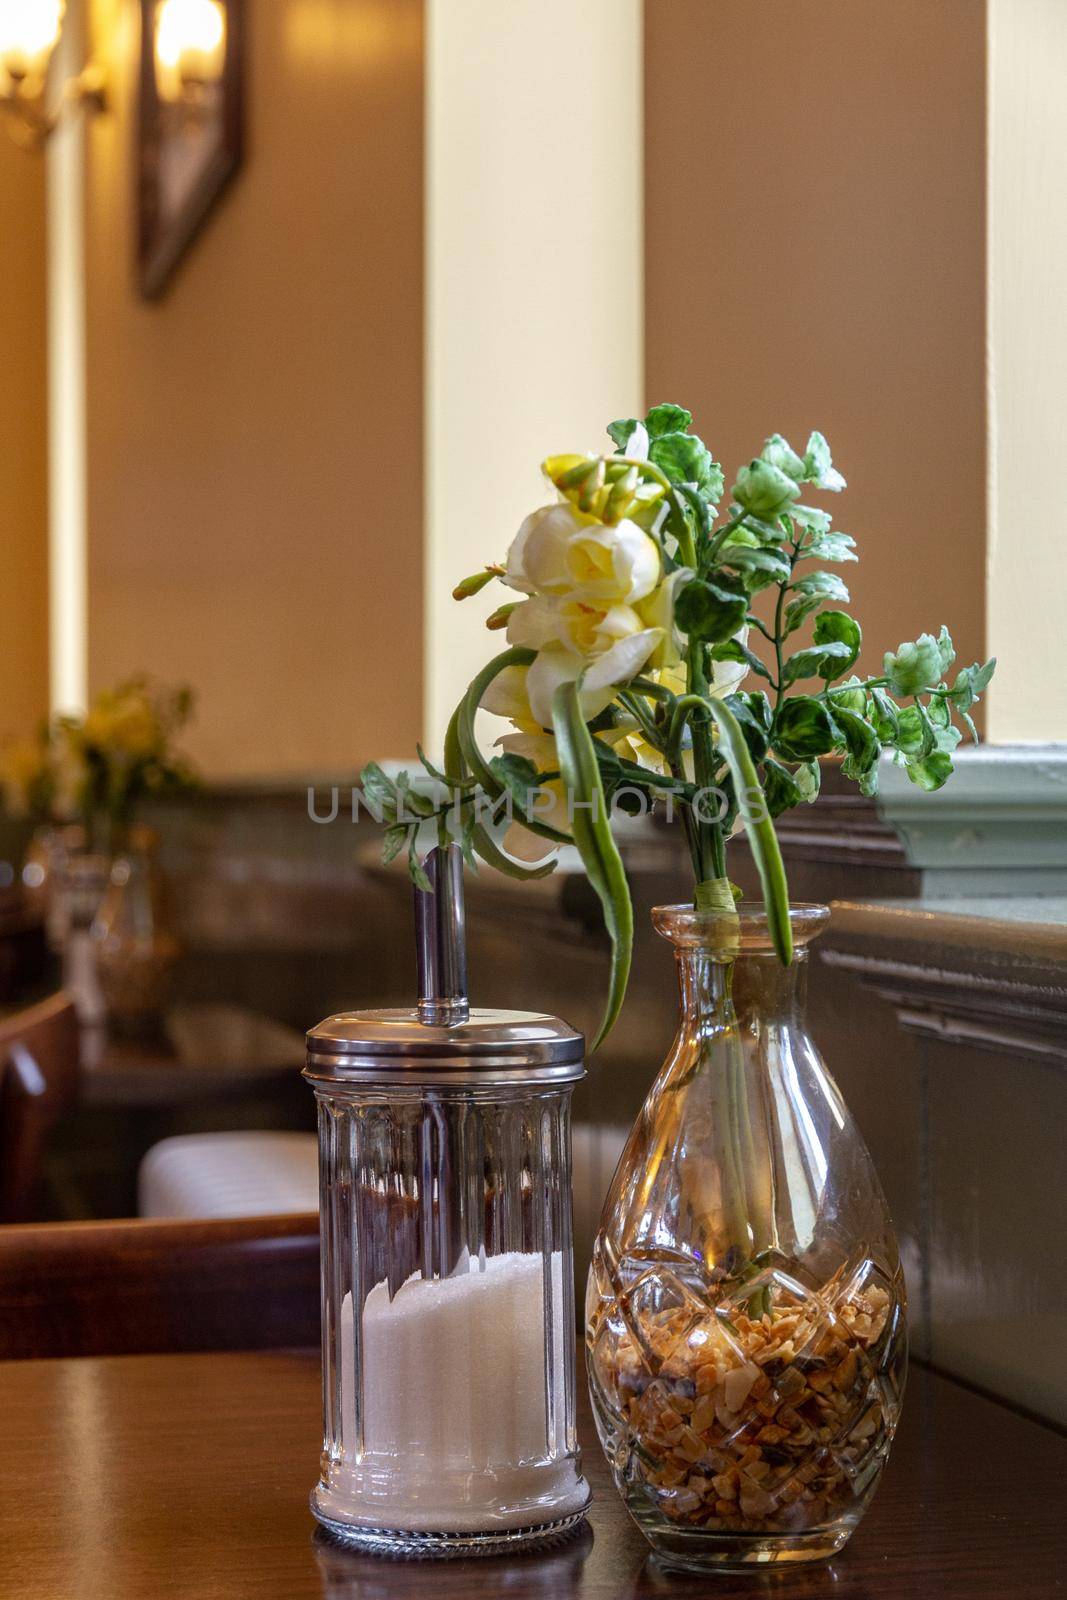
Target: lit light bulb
[190,46]
[29,30]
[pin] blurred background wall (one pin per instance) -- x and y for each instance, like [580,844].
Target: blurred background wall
[242,534]
[454,246]
[23,443]
[829,160]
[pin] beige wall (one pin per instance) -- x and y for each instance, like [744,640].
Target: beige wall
[254,440]
[815,204]
[534,281]
[23,524]
[1028,361]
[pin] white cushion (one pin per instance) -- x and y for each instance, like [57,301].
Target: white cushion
[229,1175]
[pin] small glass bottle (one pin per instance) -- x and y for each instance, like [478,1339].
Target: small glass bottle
[448,1311]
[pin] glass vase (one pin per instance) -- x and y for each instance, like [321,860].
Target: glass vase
[133,947]
[745,1314]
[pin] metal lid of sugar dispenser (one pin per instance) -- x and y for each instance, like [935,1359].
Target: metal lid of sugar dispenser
[443,1040]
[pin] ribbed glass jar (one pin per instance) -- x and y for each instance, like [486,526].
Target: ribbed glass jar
[745,1314]
[448,1309]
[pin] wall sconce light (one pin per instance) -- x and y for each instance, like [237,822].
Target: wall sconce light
[29,33]
[189,54]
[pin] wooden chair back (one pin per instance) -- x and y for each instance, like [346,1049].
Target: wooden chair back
[38,1082]
[144,1286]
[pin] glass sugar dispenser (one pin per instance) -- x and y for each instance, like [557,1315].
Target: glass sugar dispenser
[448,1309]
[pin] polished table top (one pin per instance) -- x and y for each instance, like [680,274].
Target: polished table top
[185,1477]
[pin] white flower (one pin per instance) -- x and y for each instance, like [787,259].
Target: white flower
[587,630]
[548,805]
[537,559]
[658,612]
[558,551]
[612,562]
[556,665]
[506,696]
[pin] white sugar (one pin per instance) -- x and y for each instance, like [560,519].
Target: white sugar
[457,1433]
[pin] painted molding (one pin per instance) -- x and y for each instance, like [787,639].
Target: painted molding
[999,827]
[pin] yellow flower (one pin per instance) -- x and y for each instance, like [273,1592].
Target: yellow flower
[23,769]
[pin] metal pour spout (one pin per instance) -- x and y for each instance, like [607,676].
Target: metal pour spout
[441,940]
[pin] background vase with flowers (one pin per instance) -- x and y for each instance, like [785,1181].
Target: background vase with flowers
[108,763]
[746,1310]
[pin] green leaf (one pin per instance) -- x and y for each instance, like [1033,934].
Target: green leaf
[685,459]
[415,869]
[517,774]
[914,667]
[827,585]
[797,612]
[596,846]
[780,453]
[832,547]
[808,779]
[838,627]
[811,518]
[885,716]
[852,694]
[818,466]
[764,490]
[756,817]
[711,610]
[929,732]
[818,661]
[753,720]
[667,419]
[394,841]
[911,732]
[861,742]
[969,684]
[619,432]
[466,841]
[945,649]
[734,650]
[476,836]
[766,566]
[468,743]
[931,771]
[379,791]
[780,787]
[804,728]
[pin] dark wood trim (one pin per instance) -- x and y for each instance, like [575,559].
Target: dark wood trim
[134,1287]
[979,981]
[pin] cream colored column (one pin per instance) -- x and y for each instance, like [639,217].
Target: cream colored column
[1027,552]
[533,280]
[67,534]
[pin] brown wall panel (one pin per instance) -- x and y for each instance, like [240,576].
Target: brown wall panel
[815,203]
[23,442]
[255,474]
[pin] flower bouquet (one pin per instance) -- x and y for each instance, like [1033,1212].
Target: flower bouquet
[745,1312]
[119,754]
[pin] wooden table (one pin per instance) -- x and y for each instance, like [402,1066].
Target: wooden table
[185,1477]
